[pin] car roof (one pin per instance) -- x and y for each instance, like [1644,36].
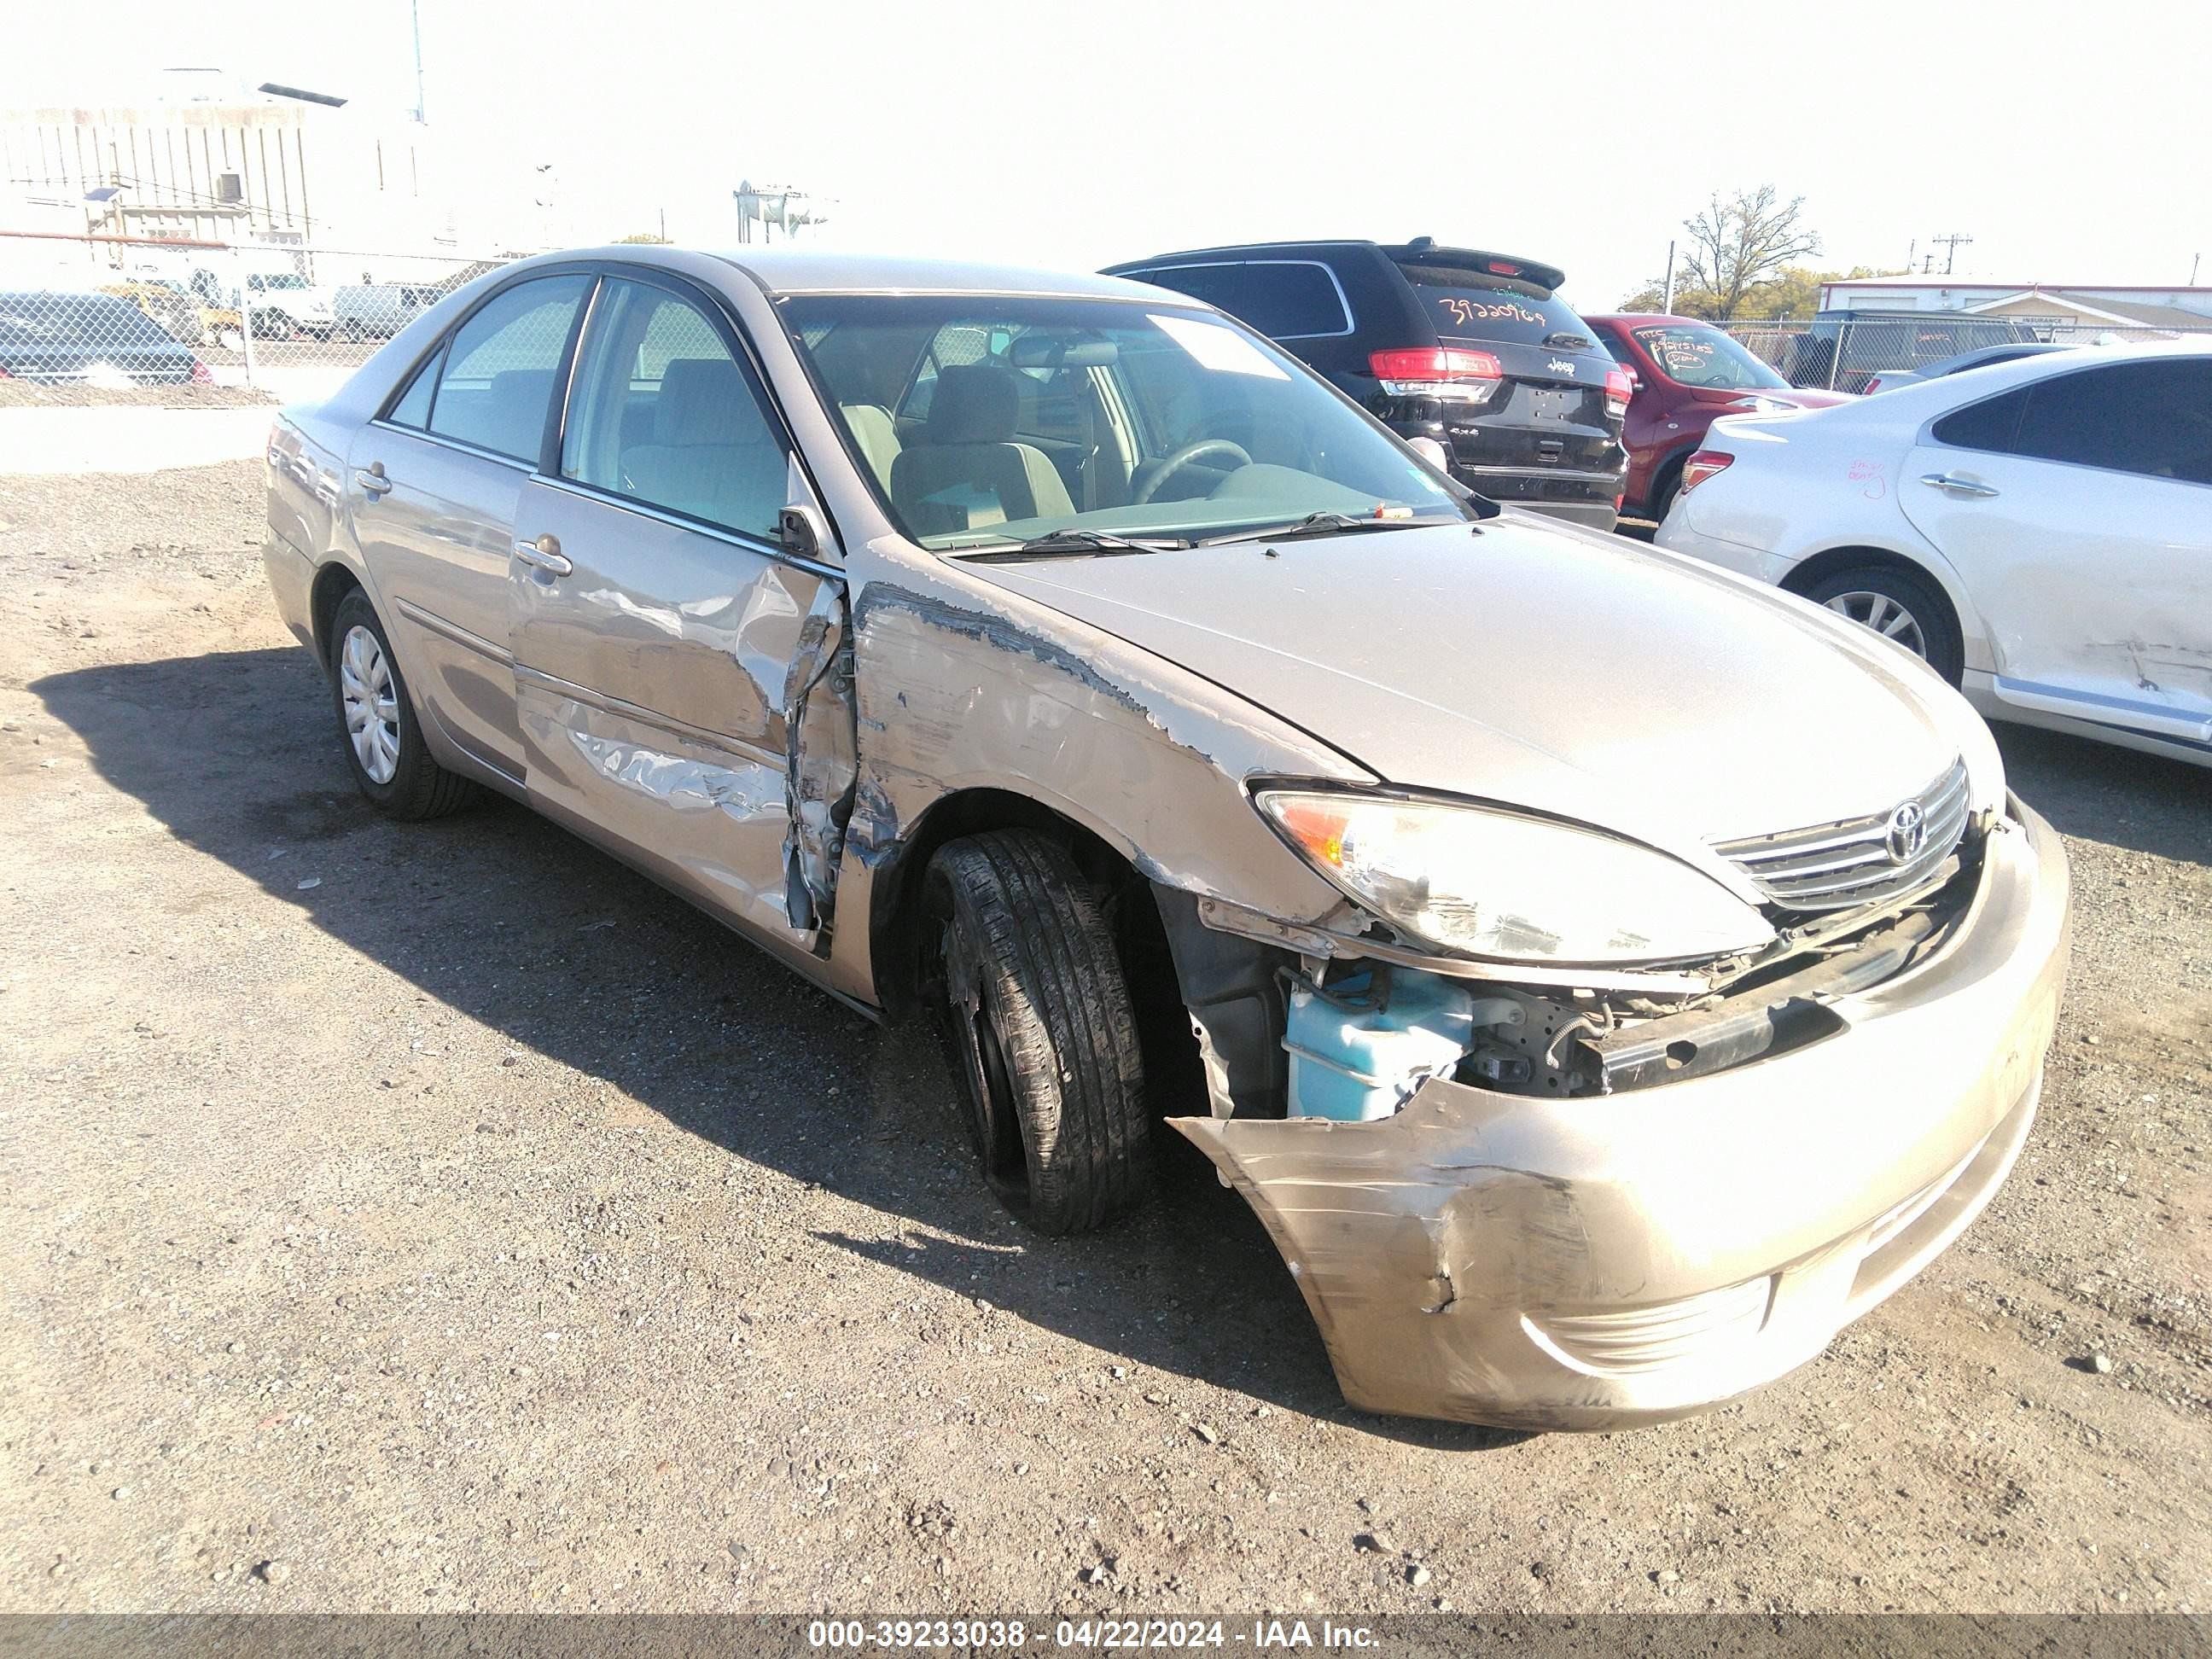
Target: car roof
[780,271]
[804,271]
[1420,251]
[1919,399]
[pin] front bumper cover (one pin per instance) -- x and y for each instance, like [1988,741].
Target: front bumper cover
[1600,1262]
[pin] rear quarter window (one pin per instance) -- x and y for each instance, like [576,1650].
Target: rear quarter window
[1992,424]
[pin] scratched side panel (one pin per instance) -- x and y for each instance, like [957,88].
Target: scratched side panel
[962,686]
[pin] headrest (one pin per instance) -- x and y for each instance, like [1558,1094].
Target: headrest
[974,403]
[704,400]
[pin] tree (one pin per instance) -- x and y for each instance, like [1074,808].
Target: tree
[1735,248]
[644,236]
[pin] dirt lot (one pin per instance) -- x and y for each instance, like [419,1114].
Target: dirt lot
[448,1219]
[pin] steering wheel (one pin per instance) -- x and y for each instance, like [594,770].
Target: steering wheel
[1182,458]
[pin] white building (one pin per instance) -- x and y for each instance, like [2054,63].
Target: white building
[2071,306]
[202,161]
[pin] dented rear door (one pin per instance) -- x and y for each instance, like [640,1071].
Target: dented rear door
[683,684]
[2078,511]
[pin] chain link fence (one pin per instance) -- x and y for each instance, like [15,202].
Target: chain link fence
[1846,353]
[119,312]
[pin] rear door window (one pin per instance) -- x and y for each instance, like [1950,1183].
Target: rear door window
[498,381]
[2151,418]
[1283,299]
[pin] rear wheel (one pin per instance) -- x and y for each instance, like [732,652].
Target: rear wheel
[1039,1029]
[1900,606]
[390,763]
[1663,493]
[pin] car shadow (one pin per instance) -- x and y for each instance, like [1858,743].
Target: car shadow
[521,926]
[2100,792]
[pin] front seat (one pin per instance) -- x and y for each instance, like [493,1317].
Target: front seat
[712,455]
[971,473]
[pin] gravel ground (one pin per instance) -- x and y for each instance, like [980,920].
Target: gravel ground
[442,1217]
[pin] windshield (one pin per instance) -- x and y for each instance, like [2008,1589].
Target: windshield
[283,282]
[1694,356]
[985,421]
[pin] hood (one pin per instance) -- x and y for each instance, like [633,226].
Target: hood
[1579,674]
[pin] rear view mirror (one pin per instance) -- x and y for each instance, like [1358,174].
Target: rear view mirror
[1042,351]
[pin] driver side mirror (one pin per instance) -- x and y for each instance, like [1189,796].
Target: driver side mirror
[800,531]
[1432,451]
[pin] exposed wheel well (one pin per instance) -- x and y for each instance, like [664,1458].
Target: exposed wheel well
[1948,653]
[332,583]
[1811,572]
[902,936]
[1664,474]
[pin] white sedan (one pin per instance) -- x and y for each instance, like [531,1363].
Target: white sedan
[2039,532]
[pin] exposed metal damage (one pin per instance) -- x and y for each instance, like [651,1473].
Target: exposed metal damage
[1453,1252]
[822,762]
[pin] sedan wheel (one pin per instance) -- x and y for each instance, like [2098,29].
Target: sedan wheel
[1903,606]
[383,743]
[1886,617]
[371,712]
[1037,1022]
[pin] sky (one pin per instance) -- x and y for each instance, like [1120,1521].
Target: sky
[2069,142]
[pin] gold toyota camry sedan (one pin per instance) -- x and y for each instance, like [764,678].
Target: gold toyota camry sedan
[1604,976]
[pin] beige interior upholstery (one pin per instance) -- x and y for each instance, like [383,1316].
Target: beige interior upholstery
[712,455]
[874,432]
[971,474]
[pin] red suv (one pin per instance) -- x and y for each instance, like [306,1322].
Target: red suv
[1687,375]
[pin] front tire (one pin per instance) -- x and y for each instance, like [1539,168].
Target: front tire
[377,725]
[1040,1031]
[1901,606]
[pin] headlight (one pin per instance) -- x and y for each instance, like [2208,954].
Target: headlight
[1495,883]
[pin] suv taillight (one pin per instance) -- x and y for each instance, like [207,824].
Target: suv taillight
[1702,467]
[1438,372]
[1619,388]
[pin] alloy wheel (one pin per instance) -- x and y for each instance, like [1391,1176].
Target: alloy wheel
[1885,616]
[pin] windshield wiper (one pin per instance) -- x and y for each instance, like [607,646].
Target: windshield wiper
[1322,523]
[1061,544]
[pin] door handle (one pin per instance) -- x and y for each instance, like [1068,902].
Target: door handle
[543,554]
[371,480]
[1955,485]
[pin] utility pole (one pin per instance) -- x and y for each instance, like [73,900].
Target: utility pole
[414,14]
[1950,245]
[1668,304]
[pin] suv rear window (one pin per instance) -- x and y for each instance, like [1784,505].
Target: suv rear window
[1283,299]
[1463,307]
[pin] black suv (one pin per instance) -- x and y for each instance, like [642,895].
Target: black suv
[1474,350]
